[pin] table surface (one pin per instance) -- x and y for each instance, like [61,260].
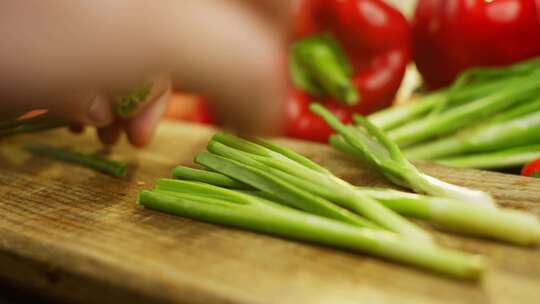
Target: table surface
[76,234]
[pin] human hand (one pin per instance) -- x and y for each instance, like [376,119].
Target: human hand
[72,57]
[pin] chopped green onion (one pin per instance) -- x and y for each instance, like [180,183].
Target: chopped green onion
[287,193]
[261,215]
[501,224]
[210,177]
[92,161]
[325,185]
[31,125]
[127,105]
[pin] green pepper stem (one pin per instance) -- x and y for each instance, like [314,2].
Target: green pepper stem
[322,61]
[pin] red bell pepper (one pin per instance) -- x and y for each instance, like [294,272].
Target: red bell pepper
[367,51]
[450,36]
[302,123]
[532,169]
[190,108]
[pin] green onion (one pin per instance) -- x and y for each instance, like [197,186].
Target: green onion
[526,107]
[507,158]
[491,74]
[325,185]
[30,125]
[392,117]
[287,193]
[498,134]
[373,146]
[209,177]
[501,224]
[463,115]
[497,223]
[127,105]
[292,156]
[256,214]
[92,161]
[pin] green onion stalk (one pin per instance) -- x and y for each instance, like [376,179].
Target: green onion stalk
[226,207]
[30,125]
[371,144]
[285,192]
[209,177]
[466,114]
[393,117]
[498,134]
[506,158]
[473,84]
[92,161]
[483,75]
[233,150]
[501,224]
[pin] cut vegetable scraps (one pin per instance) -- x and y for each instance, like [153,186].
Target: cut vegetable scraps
[373,146]
[127,105]
[92,161]
[39,123]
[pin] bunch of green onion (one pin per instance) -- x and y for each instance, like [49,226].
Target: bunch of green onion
[264,187]
[489,118]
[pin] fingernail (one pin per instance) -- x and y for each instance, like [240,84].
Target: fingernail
[100,111]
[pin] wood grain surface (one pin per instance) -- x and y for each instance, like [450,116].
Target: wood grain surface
[76,234]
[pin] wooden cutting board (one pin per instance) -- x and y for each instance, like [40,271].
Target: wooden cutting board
[73,233]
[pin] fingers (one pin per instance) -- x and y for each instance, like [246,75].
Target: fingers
[76,128]
[221,48]
[110,134]
[141,128]
[51,50]
[87,109]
